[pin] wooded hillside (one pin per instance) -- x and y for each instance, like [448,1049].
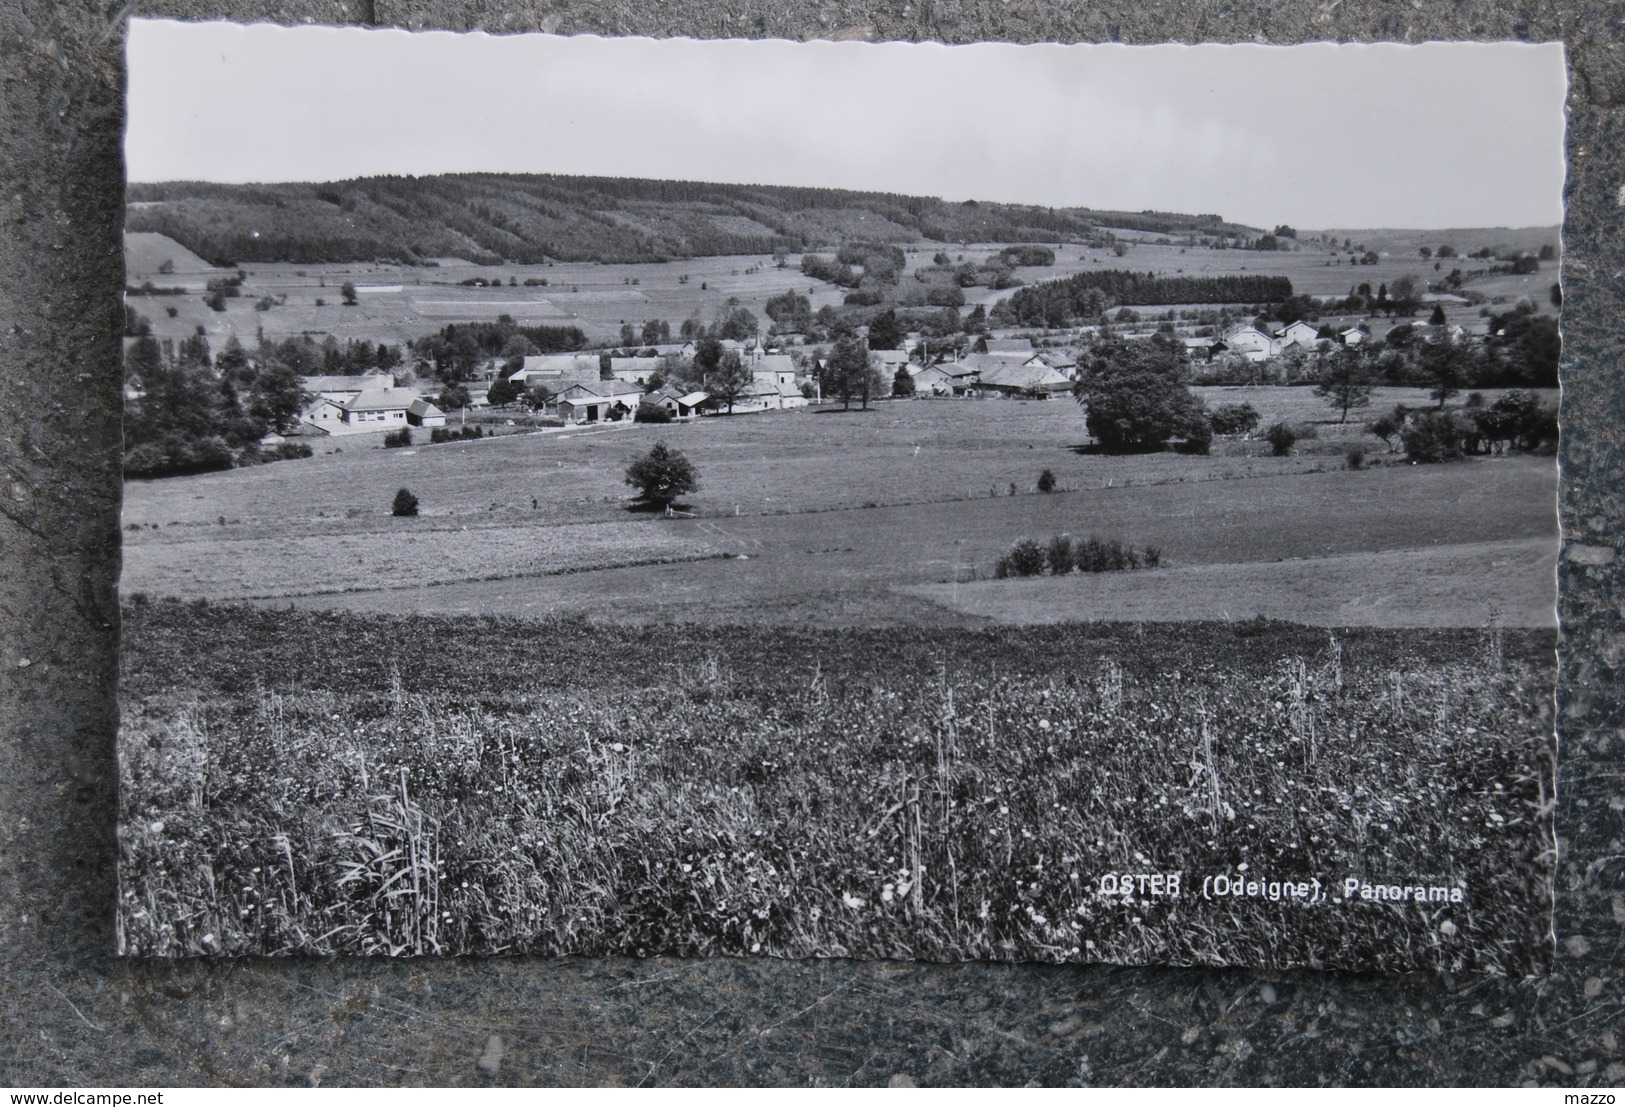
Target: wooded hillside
[491,218]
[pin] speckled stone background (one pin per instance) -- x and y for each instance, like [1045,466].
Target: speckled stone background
[72,1014]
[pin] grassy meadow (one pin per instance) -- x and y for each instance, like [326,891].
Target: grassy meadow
[893,516]
[808,721]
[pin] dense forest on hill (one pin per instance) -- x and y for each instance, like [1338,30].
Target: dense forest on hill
[493,217]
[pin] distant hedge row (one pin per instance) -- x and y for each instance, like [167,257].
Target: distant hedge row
[1062,301]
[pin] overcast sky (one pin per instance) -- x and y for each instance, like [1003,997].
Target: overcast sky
[1431,136]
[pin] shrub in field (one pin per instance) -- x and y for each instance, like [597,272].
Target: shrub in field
[448,434]
[1046,481]
[1355,457]
[1388,427]
[1059,554]
[1517,420]
[1025,558]
[651,413]
[397,438]
[1432,436]
[1097,555]
[661,476]
[1233,419]
[405,503]
[1281,437]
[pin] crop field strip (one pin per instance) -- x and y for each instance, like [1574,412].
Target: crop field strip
[872,793]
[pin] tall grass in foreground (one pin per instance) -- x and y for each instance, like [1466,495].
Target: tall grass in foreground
[883,794]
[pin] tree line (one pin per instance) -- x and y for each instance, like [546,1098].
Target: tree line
[1082,296]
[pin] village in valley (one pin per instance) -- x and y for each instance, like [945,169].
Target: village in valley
[783,596]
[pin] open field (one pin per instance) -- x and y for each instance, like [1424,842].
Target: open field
[398,303]
[1510,583]
[827,518]
[483,785]
[515,724]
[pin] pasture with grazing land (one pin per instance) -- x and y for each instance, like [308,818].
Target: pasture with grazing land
[805,719]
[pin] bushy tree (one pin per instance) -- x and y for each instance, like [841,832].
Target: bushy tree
[1281,437]
[1346,381]
[1136,399]
[1233,418]
[1437,436]
[730,380]
[405,503]
[503,392]
[850,373]
[902,384]
[661,476]
[885,332]
[277,395]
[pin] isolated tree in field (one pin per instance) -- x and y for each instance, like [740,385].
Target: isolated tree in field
[405,503]
[850,373]
[661,476]
[1346,382]
[730,380]
[1136,399]
[1405,294]
[347,290]
[1446,363]
[1437,319]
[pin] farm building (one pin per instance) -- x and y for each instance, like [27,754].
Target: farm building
[380,408]
[691,403]
[1023,379]
[1251,344]
[664,398]
[373,410]
[1009,347]
[635,370]
[421,413]
[890,360]
[932,380]
[1203,347]
[323,413]
[551,369]
[598,401]
[1353,336]
[1059,360]
[1299,334]
[344,389]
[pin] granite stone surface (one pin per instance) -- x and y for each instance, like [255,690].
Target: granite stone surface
[72,1014]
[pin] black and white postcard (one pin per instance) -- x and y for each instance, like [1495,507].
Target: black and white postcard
[632,497]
